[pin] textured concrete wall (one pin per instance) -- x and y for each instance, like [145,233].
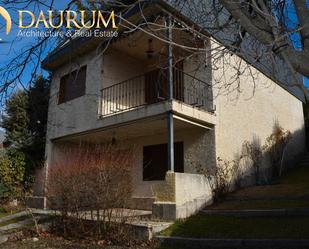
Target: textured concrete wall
[197,152]
[181,196]
[82,114]
[190,187]
[240,115]
[252,111]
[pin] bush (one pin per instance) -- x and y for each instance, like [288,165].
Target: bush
[222,177]
[12,172]
[275,146]
[96,179]
[253,151]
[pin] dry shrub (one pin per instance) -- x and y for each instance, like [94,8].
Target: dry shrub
[90,186]
[223,177]
[275,146]
[253,151]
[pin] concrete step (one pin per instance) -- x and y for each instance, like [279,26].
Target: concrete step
[13,216]
[148,229]
[140,221]
[268,198]
[142,203]
[197,243]
[295,212]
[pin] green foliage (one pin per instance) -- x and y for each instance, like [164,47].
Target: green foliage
[12,174]
[15,120]
[37,110]
[25,122]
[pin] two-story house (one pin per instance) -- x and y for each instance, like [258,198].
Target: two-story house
[146,88]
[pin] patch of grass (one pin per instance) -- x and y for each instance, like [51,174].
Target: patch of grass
[297,176]
[293,185]
[3,214]
[202,226]
[258,204]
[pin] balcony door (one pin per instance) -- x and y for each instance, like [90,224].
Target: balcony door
[156,84]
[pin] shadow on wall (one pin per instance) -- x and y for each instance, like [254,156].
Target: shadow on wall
[256,163]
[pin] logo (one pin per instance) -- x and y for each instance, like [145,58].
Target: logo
[7,18]
[95,22]
[68,19]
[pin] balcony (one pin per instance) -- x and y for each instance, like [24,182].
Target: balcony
[152,88]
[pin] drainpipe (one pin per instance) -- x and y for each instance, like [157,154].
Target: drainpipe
[170,120]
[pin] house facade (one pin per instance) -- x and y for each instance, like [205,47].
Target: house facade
[169,104]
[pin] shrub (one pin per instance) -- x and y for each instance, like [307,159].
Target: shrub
[12,172]
[90,186]
[275,146]
[253,151]
[222,177]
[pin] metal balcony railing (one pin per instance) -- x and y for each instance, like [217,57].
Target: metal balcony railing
[151,88]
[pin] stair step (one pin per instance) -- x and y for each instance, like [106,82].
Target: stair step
[259,212]
[142,203]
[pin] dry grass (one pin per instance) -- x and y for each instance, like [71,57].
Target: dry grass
[291,191]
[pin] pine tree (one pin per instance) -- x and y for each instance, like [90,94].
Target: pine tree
[15,120]
[25,122]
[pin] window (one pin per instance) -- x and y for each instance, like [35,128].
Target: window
[155,163]
[72,85]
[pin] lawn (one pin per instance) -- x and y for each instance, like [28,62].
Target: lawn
[290,191]
[202,226]
[260,204]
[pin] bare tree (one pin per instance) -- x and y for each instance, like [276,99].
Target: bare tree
[256,30]
[269,22]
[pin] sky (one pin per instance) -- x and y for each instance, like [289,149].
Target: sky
[292,22]
[9,50]
[13,45]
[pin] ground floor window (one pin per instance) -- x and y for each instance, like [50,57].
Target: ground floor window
[155,161]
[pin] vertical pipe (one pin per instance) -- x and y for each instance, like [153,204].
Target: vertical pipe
[170,58]
[170,121]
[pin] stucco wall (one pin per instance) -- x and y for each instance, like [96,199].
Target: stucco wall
[190,187]
[82,114]
[197,152]
[240,115]
[252,111]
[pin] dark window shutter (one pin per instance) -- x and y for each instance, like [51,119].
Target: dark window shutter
[73,85]
[155,163]
[61,90]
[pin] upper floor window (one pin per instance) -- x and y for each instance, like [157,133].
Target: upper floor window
[72,85]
